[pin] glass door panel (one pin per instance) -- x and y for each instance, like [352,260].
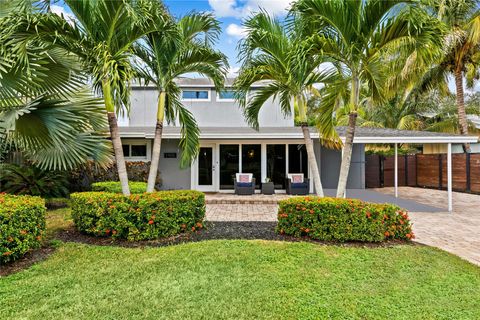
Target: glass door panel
[229,165]
[252,161]
[276,164]
[297,159]
[205,166]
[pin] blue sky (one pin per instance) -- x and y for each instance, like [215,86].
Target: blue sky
[229,12]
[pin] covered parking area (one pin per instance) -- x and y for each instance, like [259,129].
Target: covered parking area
[398,137]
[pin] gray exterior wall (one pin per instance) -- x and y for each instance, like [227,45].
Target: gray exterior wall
[172,176]
[211,113]
[330,167]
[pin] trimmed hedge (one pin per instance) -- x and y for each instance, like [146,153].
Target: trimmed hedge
[22,224]
[138,217]
[333,219]
[115,186]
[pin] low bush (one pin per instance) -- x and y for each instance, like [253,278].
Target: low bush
[332,219]
[138,217]
[22,223]
[115,187]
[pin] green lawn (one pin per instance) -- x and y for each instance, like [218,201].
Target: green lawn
[244,280]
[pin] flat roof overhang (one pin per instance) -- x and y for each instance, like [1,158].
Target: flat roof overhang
[363,135]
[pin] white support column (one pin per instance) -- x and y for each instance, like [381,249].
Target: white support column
[449,178]
[264,162]
[396,170]
[240,158]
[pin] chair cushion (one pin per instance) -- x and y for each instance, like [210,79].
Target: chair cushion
[296,177]
[300,185]
[244,184]
[244,177]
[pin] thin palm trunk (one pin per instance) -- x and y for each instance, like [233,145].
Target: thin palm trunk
[462,116]
[350,134]
[157,143]
[116,141]
[312,160]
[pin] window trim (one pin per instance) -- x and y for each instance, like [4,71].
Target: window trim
[224,100]
[208,90]
[138,142]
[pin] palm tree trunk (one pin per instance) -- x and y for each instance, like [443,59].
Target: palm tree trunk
[347,155]
[462,116]
[301,106]
[157,143]
[117,148]
[115,136]
[350,134]
[312,161]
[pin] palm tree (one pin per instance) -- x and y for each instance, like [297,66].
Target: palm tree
[102,36]
[181,48]
[46,110]
[462,58]
[360,38]
[274,53]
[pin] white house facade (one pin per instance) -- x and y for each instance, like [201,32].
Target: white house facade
[229,146]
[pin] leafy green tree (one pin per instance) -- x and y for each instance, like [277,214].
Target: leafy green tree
[276,55]
[462,57]
[180,48]
[360,38]
[46,109]
[101,35]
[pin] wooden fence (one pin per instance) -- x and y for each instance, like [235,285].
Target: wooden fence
[424,170]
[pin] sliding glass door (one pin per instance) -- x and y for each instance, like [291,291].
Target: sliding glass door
[252,161]
[229,165]
[276,164]
[297,159]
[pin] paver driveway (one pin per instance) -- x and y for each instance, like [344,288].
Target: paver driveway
[457,232]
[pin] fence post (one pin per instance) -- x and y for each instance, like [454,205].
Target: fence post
[467,166]
[440,169]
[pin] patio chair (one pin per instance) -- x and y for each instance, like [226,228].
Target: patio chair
[297,184]
[244,184]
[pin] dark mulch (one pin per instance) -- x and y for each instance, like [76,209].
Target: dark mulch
[27,260]
[248,230]
[227,230]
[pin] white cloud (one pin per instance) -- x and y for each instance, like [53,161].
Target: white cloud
[243,8]
[61,11]
[236,31]
[233,72]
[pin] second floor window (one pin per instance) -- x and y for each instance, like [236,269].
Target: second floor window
[195,95]
[226,95]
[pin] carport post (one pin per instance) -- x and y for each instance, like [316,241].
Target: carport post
[396,170]
[449,178]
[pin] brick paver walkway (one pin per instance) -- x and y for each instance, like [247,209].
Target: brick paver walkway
[457,232]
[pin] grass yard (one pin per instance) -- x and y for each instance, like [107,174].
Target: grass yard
[244,280]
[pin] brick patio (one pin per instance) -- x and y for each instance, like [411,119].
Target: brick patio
[457,232]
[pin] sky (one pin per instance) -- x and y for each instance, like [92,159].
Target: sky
[230,13]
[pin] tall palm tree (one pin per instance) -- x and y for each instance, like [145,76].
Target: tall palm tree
[360,38]
[274,53]
[46,110]
[102,36]
[181,48]
[462,57]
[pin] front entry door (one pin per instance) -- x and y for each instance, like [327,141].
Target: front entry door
[205,177]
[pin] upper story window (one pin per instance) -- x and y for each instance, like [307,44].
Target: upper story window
[226,95]
[196,95]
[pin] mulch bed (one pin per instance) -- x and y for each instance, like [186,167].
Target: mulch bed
[248,230]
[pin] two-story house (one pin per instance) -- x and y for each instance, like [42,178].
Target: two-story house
[229,146]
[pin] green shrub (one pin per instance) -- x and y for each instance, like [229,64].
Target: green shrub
[115,187]
[332,219]
[138,217]
[22,223]
[30,180]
